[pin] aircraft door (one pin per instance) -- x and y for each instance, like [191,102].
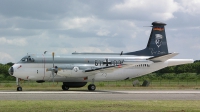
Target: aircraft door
[68,71]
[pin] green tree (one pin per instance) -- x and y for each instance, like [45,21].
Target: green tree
[10,64]
[2,77]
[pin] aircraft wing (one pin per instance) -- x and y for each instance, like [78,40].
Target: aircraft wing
[106,69]
[90,69]
[163,57]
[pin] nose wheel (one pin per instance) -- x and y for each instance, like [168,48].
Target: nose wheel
[91,87]
[19,88]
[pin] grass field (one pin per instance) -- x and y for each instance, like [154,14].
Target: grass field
[100,106]
[116,85]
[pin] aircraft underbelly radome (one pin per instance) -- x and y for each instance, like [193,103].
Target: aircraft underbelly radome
[79,68]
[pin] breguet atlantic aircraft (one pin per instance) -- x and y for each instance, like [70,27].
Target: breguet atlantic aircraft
[79,68]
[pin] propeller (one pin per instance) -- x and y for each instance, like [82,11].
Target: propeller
[54,69]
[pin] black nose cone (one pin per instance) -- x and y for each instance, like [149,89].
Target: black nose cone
[11,71]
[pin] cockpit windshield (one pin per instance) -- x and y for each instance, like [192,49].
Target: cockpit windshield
[27,59]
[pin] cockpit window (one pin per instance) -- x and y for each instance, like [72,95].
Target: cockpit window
[27,59]
[23,59]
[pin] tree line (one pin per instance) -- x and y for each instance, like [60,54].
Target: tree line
[179,72]
[186,68]
[4,75]
[187,71]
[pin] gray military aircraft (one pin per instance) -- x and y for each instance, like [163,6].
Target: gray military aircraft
[79,68]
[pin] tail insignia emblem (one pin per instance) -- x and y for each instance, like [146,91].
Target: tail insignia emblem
[158,40]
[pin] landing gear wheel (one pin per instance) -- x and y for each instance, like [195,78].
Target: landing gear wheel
[19,88]
[91,87]
[64,87]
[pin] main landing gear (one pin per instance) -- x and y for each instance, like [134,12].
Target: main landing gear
[65,88]
[19,88]
[92,87]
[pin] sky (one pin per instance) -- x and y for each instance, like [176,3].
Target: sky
[108,26]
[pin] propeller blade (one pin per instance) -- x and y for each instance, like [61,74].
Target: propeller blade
[53,76]
[53,58]
[53,70]
[56,70]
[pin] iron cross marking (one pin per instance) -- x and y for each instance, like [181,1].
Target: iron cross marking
[107,62]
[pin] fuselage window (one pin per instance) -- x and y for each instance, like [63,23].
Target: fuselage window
[142,65]
[29,58]
[23,59]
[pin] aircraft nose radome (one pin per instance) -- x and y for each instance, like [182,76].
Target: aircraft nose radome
[11,71]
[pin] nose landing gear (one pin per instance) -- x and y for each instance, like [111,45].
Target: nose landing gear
[19,88]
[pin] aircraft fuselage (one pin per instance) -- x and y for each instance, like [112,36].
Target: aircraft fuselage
[85,68]
[80,67]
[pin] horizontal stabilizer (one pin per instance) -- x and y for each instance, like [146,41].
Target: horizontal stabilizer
[174,62]
[163,57]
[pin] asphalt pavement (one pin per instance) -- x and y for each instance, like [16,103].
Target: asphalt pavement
[102,95]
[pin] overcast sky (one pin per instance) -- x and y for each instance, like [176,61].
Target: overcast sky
[63,26]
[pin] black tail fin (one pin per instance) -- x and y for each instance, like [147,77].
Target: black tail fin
[157,44]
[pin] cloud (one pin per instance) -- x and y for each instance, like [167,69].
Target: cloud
[191,7]
[5,58]
[159,9]
[77,22]
[103,32]
[115,26]
[16,42]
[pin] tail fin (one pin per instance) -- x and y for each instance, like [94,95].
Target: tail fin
[157,44]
